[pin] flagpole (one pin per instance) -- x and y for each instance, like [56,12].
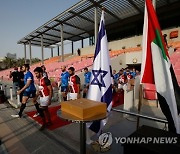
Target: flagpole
[154,4]
[139,105]
[140,88]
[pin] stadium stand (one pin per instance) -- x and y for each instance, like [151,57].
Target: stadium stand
[175,60]
[54,64]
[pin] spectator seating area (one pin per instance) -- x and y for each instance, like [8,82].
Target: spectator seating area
[53,65]
[175,60]
[174,45]
[149,90]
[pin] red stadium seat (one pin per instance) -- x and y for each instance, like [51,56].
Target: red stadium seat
[177,71]
[149,91]
[177,65]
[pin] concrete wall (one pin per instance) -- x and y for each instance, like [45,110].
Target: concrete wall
[168,31]
[134,58]
[127,43]
[118,62]
[130,42]
[88,50]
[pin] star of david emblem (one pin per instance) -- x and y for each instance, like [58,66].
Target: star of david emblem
[96,80]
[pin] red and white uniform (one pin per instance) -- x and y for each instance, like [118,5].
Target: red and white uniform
[122,82]
[122,79]
[74,82]
[129,76]
[44,91]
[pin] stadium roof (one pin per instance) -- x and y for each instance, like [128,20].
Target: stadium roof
[78,20]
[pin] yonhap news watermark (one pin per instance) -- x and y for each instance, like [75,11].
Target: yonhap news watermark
[106,139]
[146,140]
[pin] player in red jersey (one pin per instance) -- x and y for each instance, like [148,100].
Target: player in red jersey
[74,85]
[45,93]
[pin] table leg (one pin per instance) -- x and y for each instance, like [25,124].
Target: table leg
[82,137]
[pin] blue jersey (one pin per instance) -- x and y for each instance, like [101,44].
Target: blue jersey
[29,76]
[87,77]
[115,76]
[64,79]
[133,74]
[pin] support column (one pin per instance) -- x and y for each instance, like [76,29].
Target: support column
[154,4]
[62,44]
[95,24]
[25,53]
[82,44]
[30,52]
[58,50]
[51,52]
[42,50]
[72,47]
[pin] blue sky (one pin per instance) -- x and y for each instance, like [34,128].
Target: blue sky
[20,17]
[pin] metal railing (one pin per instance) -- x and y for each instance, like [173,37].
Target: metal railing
[140,115]
[14,99]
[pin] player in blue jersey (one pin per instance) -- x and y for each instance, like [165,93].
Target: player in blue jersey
[29,90]
[64,82]
[87,76]
[115,77]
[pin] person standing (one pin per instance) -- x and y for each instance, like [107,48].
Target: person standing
[133,73]
[74,85]
[45,93]
[21,81]
[79,52]
[87,76]
[14,76]
[64,82]
[44,71]
[115,77]
[29,91]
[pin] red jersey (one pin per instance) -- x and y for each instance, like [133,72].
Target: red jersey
[43,88]
[129,76]
[122,78]
[74,82]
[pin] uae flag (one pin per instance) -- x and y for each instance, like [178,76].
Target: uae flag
[157,69]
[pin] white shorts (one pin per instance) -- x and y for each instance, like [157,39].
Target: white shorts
[44,101]
[71,96]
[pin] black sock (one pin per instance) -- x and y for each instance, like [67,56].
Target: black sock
[65,98]
[84,95]
[23,106]
[41,112]
[37,107]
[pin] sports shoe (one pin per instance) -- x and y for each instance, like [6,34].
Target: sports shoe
[42,127]
[15,116]
[35,115]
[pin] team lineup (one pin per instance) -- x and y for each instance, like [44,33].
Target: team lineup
[69,86]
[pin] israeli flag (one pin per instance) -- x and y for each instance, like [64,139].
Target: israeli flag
[100,88]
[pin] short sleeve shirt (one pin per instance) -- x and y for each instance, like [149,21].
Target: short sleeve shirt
[29,76]
[64,79]
[87,77]
[44,83]
[74,81]
[15,76]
